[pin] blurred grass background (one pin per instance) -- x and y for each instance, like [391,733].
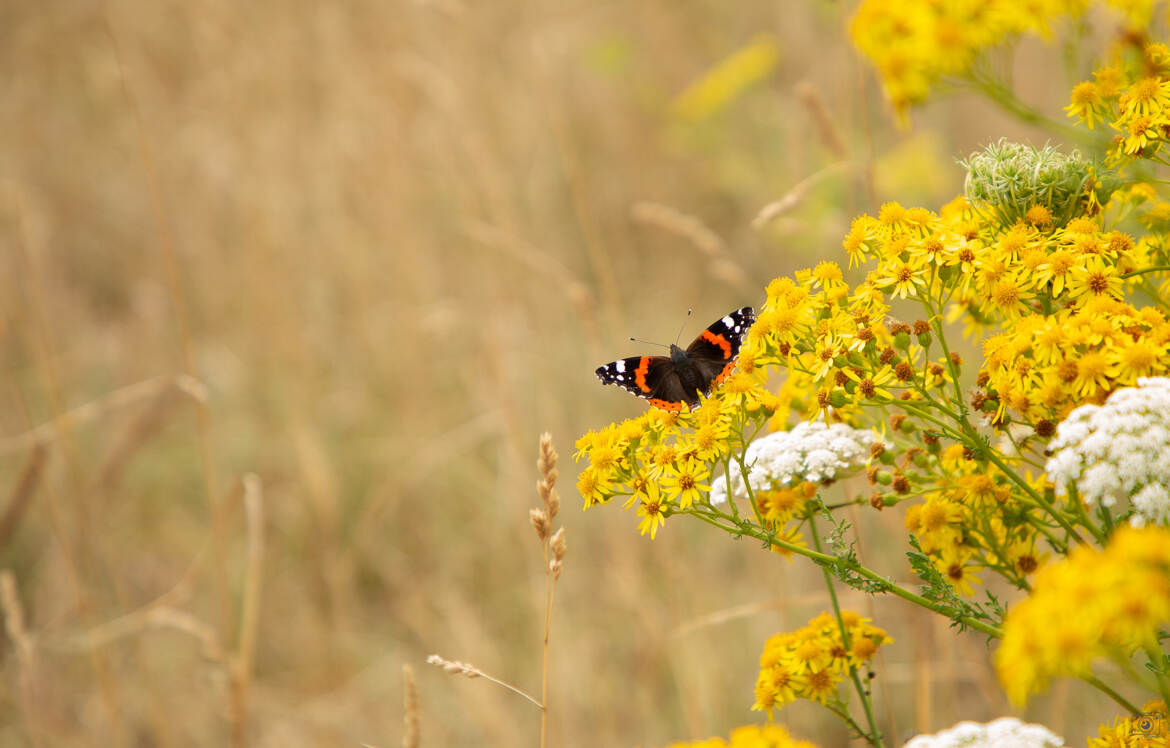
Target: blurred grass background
[367,252]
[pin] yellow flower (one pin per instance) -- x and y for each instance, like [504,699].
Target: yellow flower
[906,279]
[1139,358]
[1087,103]
[684,483]
[1007,297]
[1147,97]
[593,487]
[1059,269]
[765,736]
[1140,132]
[957,570]
[652,508]
[827,275]
[872,385]
[1094,276]
[820,685]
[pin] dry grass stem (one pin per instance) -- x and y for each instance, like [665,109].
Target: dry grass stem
[22,494]
[826,127]
[22,643]
[148,423]
[163,617]
[554,552]
[793,197]
[93,410]
[250,612]
[14,617]
[410,710]
[454,667]
[676,222]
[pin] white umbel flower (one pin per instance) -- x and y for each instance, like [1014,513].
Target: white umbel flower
[1005,732]
[810,452]
[1118,451]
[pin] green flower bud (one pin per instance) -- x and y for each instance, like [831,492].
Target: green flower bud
[1010,179]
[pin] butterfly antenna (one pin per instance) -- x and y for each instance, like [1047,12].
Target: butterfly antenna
[684,326]
[647,342]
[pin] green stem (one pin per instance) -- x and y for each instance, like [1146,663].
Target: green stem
[845,717]
[874,736]
[1006,469]
[1007,100]
[1155,656]
[1101,686]
[1143,271]
[727,478]
[1074,500]
[713,516]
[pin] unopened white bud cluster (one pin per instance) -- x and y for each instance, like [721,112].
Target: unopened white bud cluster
[810,452]
[1119,450]
[1001,733]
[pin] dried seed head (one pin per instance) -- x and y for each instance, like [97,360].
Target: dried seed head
[558,544]
[539,520]
[554,503]
[454,666]
[547,465]
[555,567]
[901,484]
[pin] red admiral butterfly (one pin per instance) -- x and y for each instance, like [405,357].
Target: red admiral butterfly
[669,382]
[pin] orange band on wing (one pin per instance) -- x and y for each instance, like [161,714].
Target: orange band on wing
[640,374]
[665,405]
[726,372]
[718,340]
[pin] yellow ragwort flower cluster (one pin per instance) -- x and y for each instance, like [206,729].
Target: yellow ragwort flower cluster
[751,736]
[1044,366]
[812,662]
[836,344]
[970,521]
[1133,97]
[1070,339]
[663,461]
[1093,604]
[913,43]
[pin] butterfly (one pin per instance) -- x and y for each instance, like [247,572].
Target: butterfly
[670,382]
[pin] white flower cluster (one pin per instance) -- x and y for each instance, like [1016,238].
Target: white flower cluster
[811,452]
[1119,450]
[1005,732]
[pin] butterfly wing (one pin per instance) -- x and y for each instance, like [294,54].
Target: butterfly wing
[651,377]
[713,353]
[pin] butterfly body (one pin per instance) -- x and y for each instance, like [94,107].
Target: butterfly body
[670,382]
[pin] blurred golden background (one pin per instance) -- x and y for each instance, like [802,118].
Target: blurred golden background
[367,252]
